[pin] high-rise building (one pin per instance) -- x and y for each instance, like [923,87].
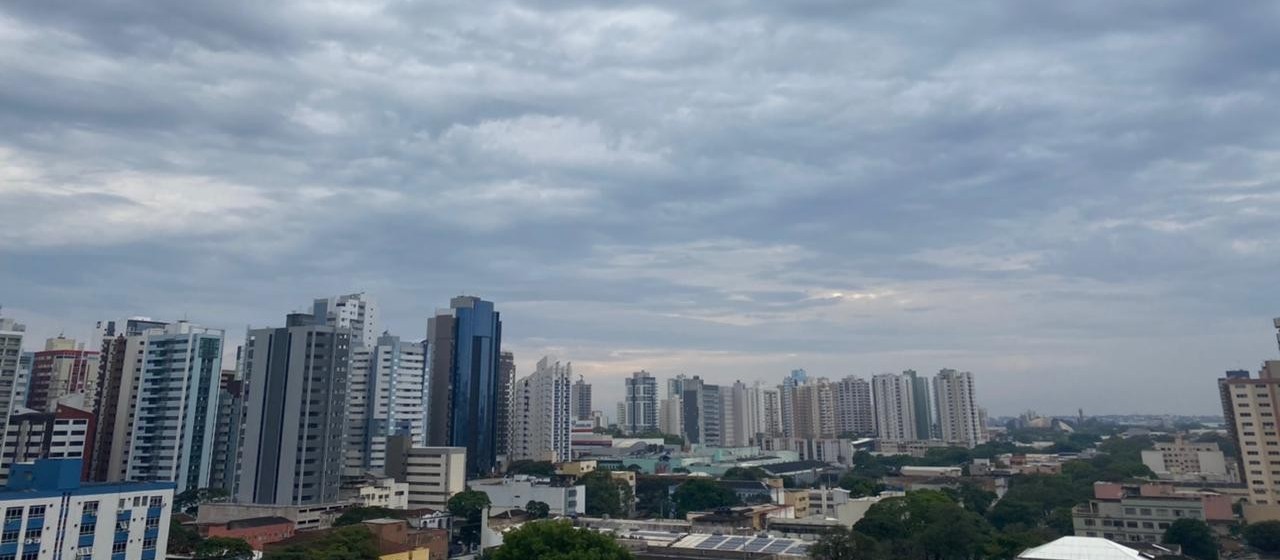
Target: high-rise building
[895,412]
[641,403]
[434,474]
[921,399]
[854,414]
[11,334]
[177,406]
[813,409]
[786,399]
[543,425]
[703,413]
[122,363]
[958,420]
[581,399]
[62,368]
[745,422]
[226,434]
[294,413]
[670,420]
[357,312]
[63,519]
[1248,405]
[772,410]
[121,348]
[506,403]
[387,396]
[33,434]
[463,345]
[675,386]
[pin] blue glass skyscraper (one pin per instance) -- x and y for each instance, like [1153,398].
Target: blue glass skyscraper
[463,348]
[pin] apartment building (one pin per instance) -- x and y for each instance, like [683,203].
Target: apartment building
[543,420]
[1142,513]
[1181,459]
[434,474]
[387,395]
[66,433]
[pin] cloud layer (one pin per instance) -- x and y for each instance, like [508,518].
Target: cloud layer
[1076,201]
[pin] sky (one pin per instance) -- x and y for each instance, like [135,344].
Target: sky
[1076,201]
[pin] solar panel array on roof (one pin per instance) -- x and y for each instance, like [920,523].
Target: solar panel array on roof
[711,542]
[733,543]
[798,550]
[777,546]
[756,544]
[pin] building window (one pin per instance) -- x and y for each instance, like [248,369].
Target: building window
[88,529]
[119,547]
[9,536]
[91,508]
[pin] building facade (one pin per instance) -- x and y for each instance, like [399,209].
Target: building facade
[357,312]
[176,410]
[517,491]
[813,409]
[543,421]
[772,411]
[641,403]
[31,434]
[957,408]
[49,514]
[506,404]
[1181,459]
[293,413]
[464,346]
[386,396]
[921,399]
[580,399]
[1142,513]
[63,368]
[434,474]
[854,414]
[895,412]
[11,335]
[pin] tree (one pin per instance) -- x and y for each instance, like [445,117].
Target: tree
[1264,536]
[537,510]
[353,542]
[182,539]
[223,548]
[532,468]
[860,486]
[359,514]
[745,473]
[1195,537]
[606,496]
[926,524]
[557,540]
[844,544]
[468,505]
[702,495]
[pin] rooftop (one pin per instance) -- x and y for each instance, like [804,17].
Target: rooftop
[257,522]
[794,467]
[1081,548]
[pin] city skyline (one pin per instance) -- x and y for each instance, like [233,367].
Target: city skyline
[723,190]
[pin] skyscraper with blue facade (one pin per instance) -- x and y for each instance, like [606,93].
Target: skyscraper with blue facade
[463,345]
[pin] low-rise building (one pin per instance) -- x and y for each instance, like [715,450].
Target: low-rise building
[914,448]
[1141,513]
[66,433]
[434,474]
[315,516]
[1187,460]
[517,491]
[377,492]
[257,531]
[50,514]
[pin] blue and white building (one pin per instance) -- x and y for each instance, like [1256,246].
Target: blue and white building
[50,515]
[177,406]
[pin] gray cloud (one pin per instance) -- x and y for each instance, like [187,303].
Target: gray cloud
[1076,201]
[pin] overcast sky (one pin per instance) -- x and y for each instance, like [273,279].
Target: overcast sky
[1076,201]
